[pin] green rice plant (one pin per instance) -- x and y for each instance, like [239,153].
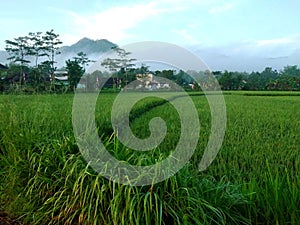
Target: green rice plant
[261,150]
[253,180]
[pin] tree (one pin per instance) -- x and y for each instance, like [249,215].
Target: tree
[226,80]
[75,72]
[18,50]
[254,82]
[291,71]
[169,74]
[120,64]
[36,50]
[37,46]
[34,45]
[82,59]
[269,73]
[51,42]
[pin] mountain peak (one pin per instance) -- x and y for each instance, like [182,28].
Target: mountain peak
[85,40]
[89,46]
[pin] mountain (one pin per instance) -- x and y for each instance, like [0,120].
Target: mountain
[88,46]
[92,48]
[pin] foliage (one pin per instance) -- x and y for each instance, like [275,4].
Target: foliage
[82,59]
[36,46]
[51,43]
[75,72]
[120,64]
[18,49]
[268,79]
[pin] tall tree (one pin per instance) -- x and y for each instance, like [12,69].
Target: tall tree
[37,46]
[51,47]
[120,64]
[18,49]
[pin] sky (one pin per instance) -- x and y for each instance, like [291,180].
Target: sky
[268,29]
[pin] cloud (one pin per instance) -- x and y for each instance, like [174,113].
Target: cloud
[220,9]
[295,39]
[111,24]
[278,47]
[268,48]
[115,23]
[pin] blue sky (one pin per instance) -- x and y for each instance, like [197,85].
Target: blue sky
[269,27]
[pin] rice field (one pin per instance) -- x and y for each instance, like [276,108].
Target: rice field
[254,179]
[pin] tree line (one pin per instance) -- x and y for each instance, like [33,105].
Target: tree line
[32,69]
[287,79]
[32,64]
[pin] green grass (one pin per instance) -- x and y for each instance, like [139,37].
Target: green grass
[254,179]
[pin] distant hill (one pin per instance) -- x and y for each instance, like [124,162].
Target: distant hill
[88,46]
[93,48]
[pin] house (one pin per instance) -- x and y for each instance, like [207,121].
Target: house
[61,78]
[150,82]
